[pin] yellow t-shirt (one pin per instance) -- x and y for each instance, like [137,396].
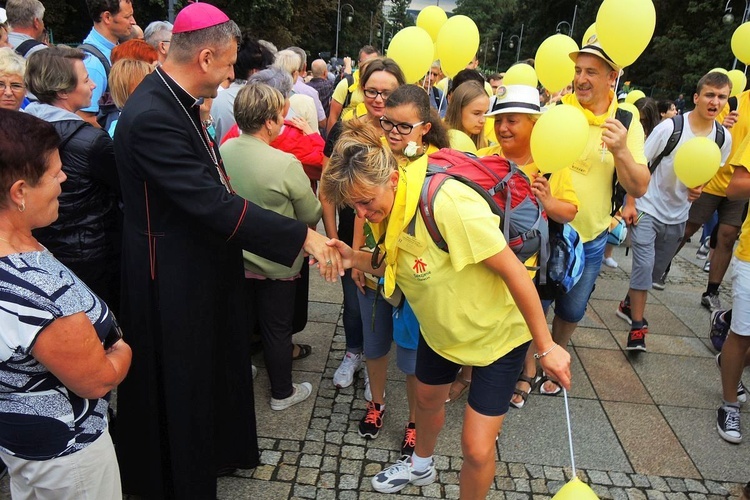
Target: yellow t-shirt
[592,173]
[742,157]
[718,185]
[340,92]
[462,321]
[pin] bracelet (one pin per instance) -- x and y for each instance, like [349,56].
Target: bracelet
[540,356]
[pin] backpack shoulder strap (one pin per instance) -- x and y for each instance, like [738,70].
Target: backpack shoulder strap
[678,121]
[732,101]
[720,135]
[87,47]
[25,46]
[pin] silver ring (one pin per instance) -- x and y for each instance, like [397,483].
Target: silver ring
[329,262]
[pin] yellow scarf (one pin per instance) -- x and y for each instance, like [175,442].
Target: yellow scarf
[410,180]
[591,117]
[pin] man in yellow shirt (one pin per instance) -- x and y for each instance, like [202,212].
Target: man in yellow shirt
[611,149]
[736,348]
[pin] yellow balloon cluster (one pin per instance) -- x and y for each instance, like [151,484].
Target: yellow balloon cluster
[575,489]
[457,44]
[697,161]
[625,28]
[431,19]
[559,138]
[412,49]
[741,43]
[739,81]
[634,95]
[520,74]
[553,66]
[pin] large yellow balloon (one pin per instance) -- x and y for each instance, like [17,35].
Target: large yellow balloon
[739,81]
[461,142]
[625,28]
[559,138]
[521,74]
[719,70]
[741,43]
[634,95]
[553,66]
[412,49]
[591,31]
[575,489]
[697,161]
[431,19]
[457,44]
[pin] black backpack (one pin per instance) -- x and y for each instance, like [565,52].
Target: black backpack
[108,111]
[25,46]
[679,123]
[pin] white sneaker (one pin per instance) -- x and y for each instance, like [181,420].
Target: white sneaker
[301,392]
[610,262]
[344,375]
[401,474]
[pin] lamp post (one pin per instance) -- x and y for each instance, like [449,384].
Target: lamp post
[519,39]
[486,49]
[728,18]
[338,23]
[499,49]
[570,28]
[378,29]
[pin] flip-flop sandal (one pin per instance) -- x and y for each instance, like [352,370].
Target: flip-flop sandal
[455,394]
[304,351]
[543,391]
[524,394]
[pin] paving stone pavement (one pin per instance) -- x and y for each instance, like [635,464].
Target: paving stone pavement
[643,425]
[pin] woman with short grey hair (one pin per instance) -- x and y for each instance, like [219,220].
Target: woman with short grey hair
[12,88]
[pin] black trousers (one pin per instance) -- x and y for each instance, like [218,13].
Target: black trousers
[272,303]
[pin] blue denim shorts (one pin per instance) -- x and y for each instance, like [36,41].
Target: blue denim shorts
[406,360]
[491,386]
[377,323]
[571,307]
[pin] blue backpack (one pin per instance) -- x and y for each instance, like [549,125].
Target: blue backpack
[566,259]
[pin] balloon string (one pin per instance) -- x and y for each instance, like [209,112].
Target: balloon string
[570,432]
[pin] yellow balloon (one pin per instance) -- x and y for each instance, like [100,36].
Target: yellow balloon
[634,95]
[457,44]
[553,66]
[630,107]
[719,70]
[697,161]
[522,74]
[412,49]
[625,28]
[575,489]
[591,31]
[461,142]
[741,43]
[431,19]
[739,81]
[559,138]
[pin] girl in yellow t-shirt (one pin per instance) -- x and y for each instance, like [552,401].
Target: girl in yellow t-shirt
[466,109]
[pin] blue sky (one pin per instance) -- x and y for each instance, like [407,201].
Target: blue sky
[447,5]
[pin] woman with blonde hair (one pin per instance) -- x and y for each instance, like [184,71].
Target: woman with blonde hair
[468,104]
[124,77]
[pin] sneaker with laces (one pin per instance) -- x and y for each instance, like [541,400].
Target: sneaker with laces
[623,311]
[344,375]
[741,390]
[301,392]
[728,424]
[703,250]
[369,426]
[661,283]
[637,338]
[719,329]
[401,474]
[711,301]
[410,439]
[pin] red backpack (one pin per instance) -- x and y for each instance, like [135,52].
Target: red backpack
[505,188]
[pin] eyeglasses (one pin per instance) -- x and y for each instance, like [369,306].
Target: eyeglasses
[166,41]
[373,94]
[16,88]
[401,128]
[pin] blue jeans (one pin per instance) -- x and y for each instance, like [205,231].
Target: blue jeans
[571,307]
[352,317]
[377,323]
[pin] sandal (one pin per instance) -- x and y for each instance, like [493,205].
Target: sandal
[458,387]
[554,392]
[524,394]
[304,351]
